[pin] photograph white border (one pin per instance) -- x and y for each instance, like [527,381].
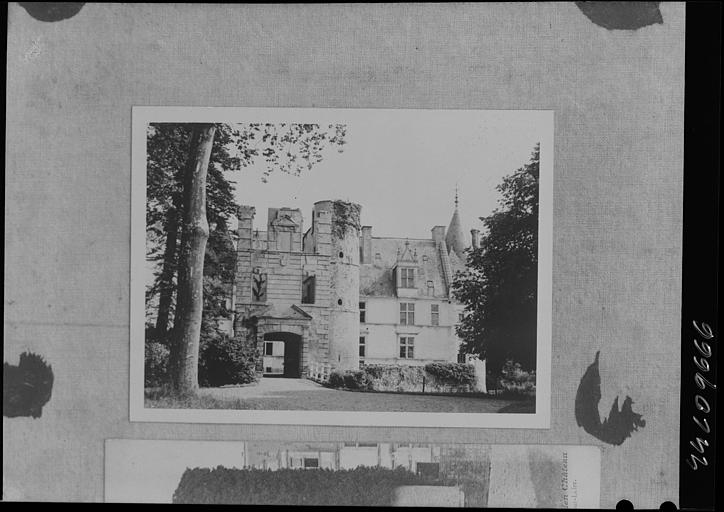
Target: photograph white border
[143,115]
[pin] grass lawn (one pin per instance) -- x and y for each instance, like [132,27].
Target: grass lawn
[326,399]
[520,406]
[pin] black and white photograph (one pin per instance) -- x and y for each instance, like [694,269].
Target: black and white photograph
[324,261]
[404,474]
[398,254]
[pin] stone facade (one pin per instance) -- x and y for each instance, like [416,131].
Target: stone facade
[405,288]
[297,294]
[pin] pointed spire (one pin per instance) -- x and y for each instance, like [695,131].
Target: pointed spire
[455,240]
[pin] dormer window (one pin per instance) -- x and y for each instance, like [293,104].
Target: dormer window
[283,227]
[405,269]
[407,277]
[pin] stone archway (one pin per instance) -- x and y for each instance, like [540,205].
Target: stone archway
[282,356]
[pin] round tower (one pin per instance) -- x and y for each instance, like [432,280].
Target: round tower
[344,283]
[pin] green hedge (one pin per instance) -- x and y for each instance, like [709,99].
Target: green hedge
[454,374]
[363,486]
[433,377]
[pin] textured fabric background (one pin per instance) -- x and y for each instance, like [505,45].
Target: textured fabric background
[618,98]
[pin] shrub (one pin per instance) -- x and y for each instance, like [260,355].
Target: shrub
[391,377]
[362,486]
[515,380]
[350,379]
[452,374]
[375,371]
[336,379]
[224,360]
[157,364]
[356,379]
[436,377]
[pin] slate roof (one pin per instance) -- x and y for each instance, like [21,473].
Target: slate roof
[377,279]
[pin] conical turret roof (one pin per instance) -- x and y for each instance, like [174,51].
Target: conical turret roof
[455,239]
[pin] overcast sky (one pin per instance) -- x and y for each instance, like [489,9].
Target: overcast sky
[402,167]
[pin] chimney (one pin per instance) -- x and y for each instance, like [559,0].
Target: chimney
[438,233]
[476,238]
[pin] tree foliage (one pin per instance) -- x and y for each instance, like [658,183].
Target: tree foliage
[286,147]
[499,287]
[167,154]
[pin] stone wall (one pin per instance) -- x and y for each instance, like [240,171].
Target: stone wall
[285,272]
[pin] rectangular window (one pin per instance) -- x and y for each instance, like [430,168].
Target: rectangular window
[362,346]
[435,314]
[407,277]
[362,312]
[407,313]
[308,286]
[407,347]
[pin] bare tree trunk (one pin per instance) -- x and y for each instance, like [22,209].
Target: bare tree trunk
[195,232]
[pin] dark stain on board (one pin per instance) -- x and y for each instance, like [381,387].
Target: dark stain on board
[52,11]
[620,423]
[27,387]
[622,15]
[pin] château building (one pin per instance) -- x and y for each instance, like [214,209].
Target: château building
[336,294]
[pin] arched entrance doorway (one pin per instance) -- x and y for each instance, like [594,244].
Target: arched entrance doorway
[282,355]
